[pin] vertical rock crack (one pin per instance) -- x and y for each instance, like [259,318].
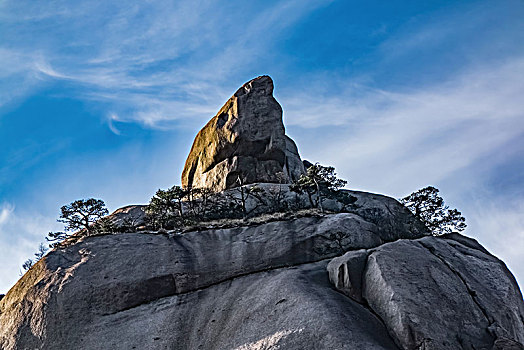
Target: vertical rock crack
[472,293]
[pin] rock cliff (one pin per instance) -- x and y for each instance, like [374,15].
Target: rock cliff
[364,275]
[245,138]
[324,281]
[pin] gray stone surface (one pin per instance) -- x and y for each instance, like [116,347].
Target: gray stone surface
[265,286]
[290,308]
[490,284]
[72,288]
[436,293]
[130,215]
[345,272]
[245,138]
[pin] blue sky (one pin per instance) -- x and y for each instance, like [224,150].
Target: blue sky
[103,99]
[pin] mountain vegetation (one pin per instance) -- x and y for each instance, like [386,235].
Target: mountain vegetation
[429,207]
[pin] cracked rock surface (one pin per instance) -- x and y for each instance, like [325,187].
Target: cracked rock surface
[265,286]
[245,138]
[95,289]
[436,293]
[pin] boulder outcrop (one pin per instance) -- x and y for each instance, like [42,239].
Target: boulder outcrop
[363,274]
[435,293]
[265,286]
[245,139]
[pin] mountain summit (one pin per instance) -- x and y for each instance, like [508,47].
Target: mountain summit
[364,273]
[244,142]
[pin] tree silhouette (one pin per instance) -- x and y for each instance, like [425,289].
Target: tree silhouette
[78,215]
[429,207]
[42,250]
[320,181]
[166,205]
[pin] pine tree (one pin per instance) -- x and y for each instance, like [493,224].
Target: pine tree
[430,208]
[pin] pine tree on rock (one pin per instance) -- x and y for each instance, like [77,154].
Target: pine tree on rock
[78,215]
[429,207]
[320,181]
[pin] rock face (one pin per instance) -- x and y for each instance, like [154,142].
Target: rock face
[268,286]
[435,293]
[246,138]
[365,276]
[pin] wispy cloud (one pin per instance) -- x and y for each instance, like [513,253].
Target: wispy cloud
[454,134]
[6,210]
[17,74]
[499,225]
[20,233]
[158,63]
[432,132]
[150,62]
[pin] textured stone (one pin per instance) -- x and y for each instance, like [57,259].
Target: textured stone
[245,138]
[265,286]
[345,272]
[489,283]
[436,293]
[129,216]
[290,308]
[79,287]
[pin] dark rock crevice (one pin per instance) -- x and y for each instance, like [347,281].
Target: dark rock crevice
[425,301]
[471,292]
[364,302]
[495,328]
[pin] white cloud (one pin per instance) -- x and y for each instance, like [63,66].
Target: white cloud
[5,212]
[431,132]
[162,61]
[454,135]
[20,234]
[16,75]
[499,225]
[152,62]
[110,121]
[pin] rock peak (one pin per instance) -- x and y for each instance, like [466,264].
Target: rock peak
[244,142]
[259,85]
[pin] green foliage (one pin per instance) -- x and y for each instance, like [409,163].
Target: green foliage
[78,215]
[347,200]
[244,192]
[429,207]
[81,213]
[274,197]
[105,226]
[319,181]
[165,209]
[179,208]
[201,202]
[127,225]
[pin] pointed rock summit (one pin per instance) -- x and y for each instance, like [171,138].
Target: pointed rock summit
[244,142]
[366,274]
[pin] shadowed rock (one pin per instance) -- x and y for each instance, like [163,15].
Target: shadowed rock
[124,290]
[436,293]
[264,285]
[246,138]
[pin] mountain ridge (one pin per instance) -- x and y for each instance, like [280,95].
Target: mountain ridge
[363,273]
